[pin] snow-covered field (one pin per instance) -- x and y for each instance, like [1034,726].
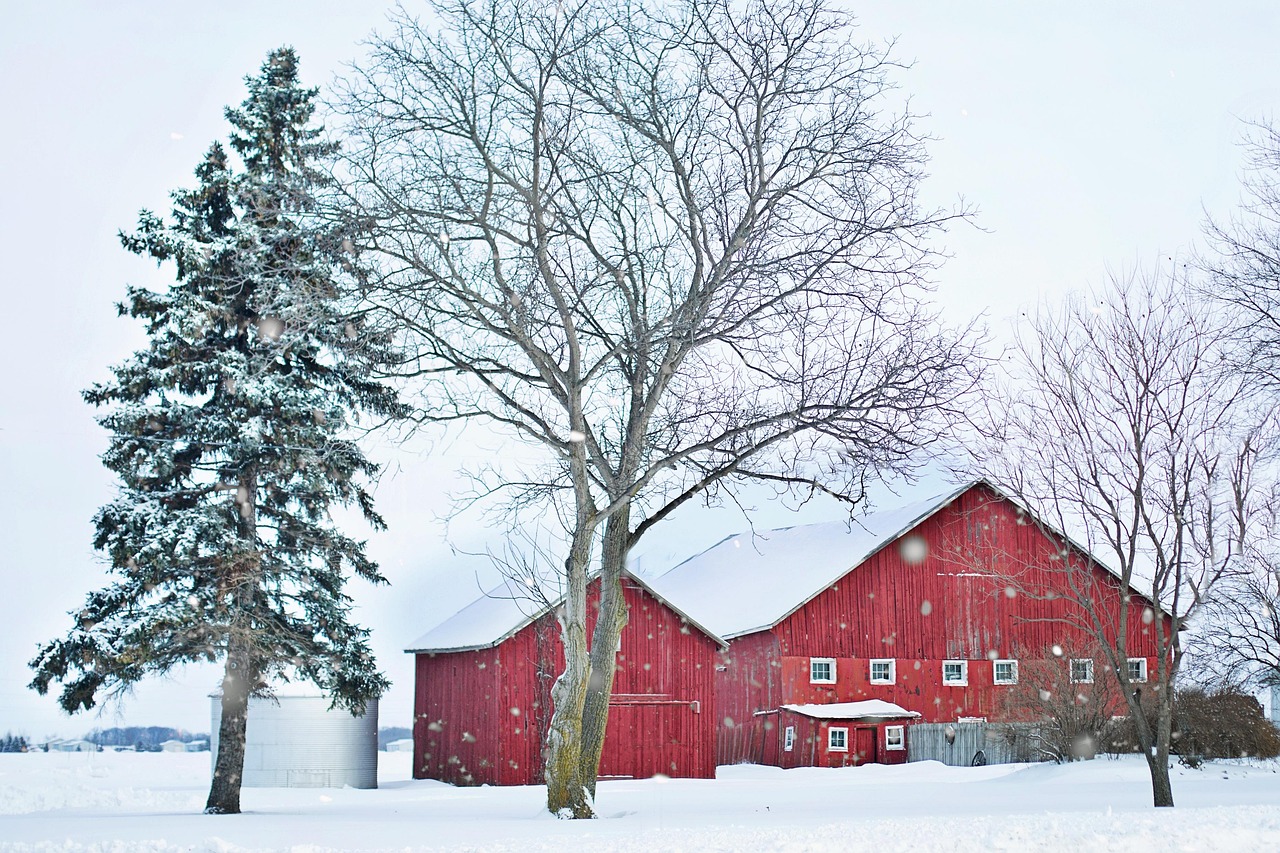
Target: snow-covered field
[151,802]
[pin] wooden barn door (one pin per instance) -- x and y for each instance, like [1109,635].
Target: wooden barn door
[645,738]
[864,745]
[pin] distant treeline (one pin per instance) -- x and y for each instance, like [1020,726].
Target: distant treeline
[141,738]
[147,738]
[390,733]
[14,743]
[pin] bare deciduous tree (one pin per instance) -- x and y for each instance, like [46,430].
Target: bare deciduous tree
[1120,427]
[676,247]
[1244,264]
[1064,719]
[1236,639]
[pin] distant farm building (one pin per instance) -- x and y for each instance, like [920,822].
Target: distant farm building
[295,740]
[71,746]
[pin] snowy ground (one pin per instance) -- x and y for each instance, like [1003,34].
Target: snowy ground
[151,802]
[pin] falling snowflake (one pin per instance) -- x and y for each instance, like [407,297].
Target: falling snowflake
[271,328]
[914,549]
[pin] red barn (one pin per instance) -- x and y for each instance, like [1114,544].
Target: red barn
[922,607]
[482,698]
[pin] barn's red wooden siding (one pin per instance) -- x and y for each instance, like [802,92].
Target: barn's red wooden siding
[481,717]
[955,604]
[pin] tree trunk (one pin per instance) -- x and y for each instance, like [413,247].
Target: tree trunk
[224,789]
[239,674]
[1161,787]
[604,644]
[1155,741]
[567,797]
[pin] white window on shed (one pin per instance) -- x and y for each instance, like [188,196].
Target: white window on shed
[882,671]
[895,737]
[822,670]
[1138,669]
[838,740]
[1005,672]
[955,673]
[789,739]
[1081,671]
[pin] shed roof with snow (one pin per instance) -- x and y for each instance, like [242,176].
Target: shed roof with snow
[868,709]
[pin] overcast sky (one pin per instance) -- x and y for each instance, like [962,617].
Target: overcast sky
[1089,137]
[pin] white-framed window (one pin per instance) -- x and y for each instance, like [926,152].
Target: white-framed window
[837,740]
[895,737]
[955,672]
[882,671]
[1138,669]
[1005,672]
[788,738]
[1081,671]
[822,670]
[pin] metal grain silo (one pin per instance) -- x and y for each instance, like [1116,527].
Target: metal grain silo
[295,741]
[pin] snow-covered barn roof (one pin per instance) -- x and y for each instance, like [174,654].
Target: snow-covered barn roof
[502,612]
[752,581]
[864,710]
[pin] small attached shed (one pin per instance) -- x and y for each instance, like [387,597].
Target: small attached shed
[482,692]
[840,734]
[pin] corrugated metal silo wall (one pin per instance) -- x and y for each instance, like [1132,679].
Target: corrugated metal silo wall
[297,742]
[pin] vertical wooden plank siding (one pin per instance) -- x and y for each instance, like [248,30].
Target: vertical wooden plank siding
[481,717]
[984,591]
[748,681]
[455,717]
[662,717]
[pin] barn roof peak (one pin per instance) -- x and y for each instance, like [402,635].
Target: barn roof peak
[751,581]
[506,609]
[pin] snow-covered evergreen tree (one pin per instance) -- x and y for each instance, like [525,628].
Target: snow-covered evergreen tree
[230,436]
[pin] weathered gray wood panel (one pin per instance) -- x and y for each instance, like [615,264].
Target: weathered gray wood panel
[959,744]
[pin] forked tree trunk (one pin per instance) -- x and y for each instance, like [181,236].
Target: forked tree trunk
[604,644]
[228,769]
[567,797]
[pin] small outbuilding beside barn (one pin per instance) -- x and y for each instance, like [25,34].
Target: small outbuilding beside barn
[840,734]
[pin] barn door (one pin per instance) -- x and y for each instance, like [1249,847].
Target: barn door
[645,739]
[864,746]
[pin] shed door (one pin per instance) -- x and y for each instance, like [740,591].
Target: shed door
[645,739]
[864,746]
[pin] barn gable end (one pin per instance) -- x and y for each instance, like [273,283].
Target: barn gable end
[481,715]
